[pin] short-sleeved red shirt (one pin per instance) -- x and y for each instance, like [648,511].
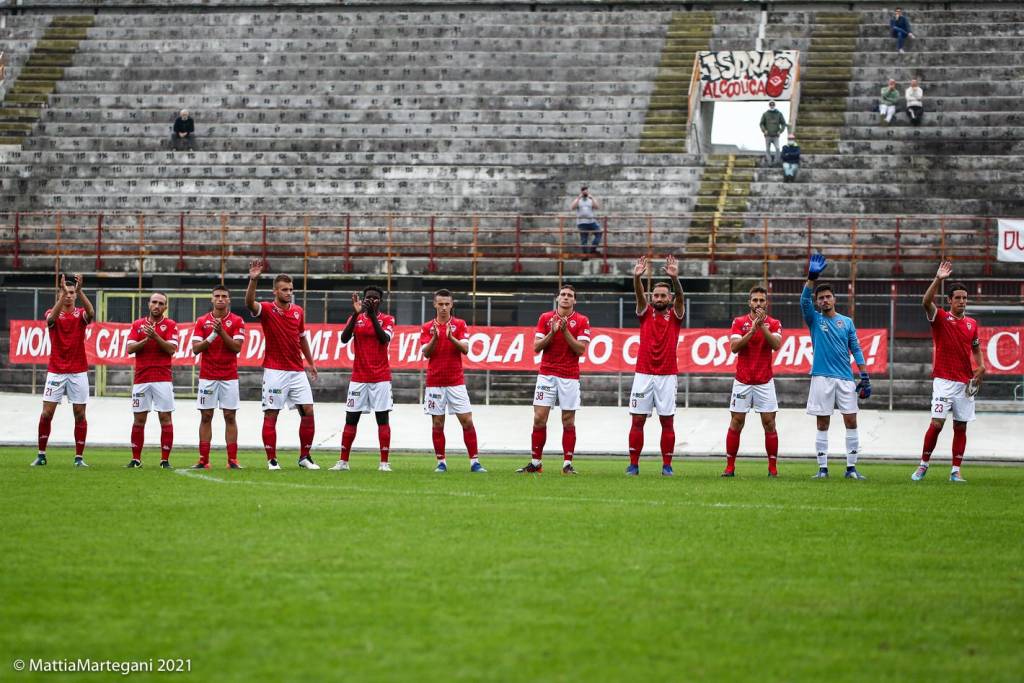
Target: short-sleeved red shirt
[218,362]
[67,343]
[659,336]
[152,364]
[371,357]
[283,329]
[754,361]
[444,367]
[558,359]
[954,338]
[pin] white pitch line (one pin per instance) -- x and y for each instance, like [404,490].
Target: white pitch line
[555,499]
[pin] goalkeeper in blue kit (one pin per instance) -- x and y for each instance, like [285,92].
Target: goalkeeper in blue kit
[834,338]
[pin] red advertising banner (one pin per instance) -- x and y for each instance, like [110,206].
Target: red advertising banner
[702,350]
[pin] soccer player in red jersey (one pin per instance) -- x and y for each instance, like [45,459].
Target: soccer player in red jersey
[369,389]
[153,341]
[654,384]
[954,381]
[754,337]
[445,341]
[285,384]
[217,338]
[562,336]
[67,373]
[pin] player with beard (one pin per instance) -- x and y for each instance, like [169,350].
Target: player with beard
[153,341]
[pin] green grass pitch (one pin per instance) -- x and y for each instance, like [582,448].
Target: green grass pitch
[412,576]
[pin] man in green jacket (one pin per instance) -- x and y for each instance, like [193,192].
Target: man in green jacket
[888,100]
[772,125]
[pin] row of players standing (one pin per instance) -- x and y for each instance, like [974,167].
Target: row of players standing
[562,336]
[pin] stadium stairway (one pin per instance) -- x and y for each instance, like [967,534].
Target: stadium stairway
[721,202]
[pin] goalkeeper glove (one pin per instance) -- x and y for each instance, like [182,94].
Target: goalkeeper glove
[816,265]
[864,386]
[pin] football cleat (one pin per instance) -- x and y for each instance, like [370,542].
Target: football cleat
[633,471]
[477,468]
[531,469]
[852,473]
[39,461]
[80,461]
[233,465]
[134,463]
[666,471]
[308,464]
[441,467]
[384,467]
[201,465]
[729,473]
[773,473]
[166,464]
[340,466]
[919,473]
[955,477]
[822,473]
[272,464]
[567,468]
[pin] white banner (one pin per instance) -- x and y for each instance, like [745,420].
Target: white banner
[739,75]
[1011,240]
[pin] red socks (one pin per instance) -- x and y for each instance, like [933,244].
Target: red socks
[44,432]
[307,428]
[80,431]
[537,440]
[384,435]
[959,443]
[232,453]
[732,447]
[138,437]
[771,447]
[469,435]
[166,441]
[270,436]
[568,442]
[931,437]
[668,438]
[348,435]
[437,435]
[636,438]
[204,452]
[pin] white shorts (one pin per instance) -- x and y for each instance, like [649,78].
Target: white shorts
[75,386]
[828,393]
[651,392]
[950,398]
[760,397]
[285,389]
[454,399]
[217,393]
[557,391]
[158,396]
[369,397]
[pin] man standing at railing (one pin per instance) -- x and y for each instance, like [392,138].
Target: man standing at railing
[954,381]
[153,341]
[586,221]
[67,372]
[285,384]
[833,338]
[561,337]
[657,367]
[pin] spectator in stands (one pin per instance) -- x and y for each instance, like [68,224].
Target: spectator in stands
[900,27]
[586,221]
[772,125]
[915,102]
[183,136]
[888,100]
[790,160]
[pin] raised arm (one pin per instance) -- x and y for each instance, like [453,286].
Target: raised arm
[350,328]
[255,270]
[382,335]
[928,300]
[90,312]
[51,319]
[638,284]
[672,270]
[814,269]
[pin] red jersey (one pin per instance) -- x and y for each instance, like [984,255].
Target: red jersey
[283,329]
[558,359]
[371,363]
[954,340]
[754,361]
[444,367]
[67,343]
[151,363]
[218,362]
[659,337]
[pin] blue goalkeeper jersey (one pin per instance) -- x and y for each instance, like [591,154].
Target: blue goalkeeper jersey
[834,339]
